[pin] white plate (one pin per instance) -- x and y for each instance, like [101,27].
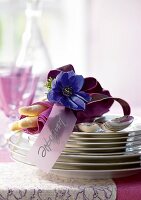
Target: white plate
[99,135]
[121,155]
[93,150]
[100,144]
[96,174]
[91,160]
[88,174]
[20,158]
[117,165]
[105,158]
[82,166]
[108,139]
[106,134]
[21,144]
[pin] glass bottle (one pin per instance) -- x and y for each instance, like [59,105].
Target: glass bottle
[33,50]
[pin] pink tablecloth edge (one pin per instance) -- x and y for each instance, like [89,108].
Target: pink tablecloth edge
[129,188]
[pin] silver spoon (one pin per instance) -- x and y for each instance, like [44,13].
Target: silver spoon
[115,124]
[106,123]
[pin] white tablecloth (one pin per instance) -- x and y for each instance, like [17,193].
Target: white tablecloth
[19,181]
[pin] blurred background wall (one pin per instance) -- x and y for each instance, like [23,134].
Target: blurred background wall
[115,50]
[101,38]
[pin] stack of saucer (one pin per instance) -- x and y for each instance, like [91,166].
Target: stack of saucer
[90,155]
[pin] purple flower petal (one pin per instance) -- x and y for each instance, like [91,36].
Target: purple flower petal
[66,68]
[84,96]
[56,85]
[64,80]
[80,103]
[71,74]
[54,73]
[53,96]
[91,85]
[68,103]
[77,82]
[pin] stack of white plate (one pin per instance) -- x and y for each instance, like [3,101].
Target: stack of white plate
[91,155]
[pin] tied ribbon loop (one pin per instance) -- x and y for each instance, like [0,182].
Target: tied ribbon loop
[97,97]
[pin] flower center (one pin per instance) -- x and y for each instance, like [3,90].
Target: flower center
[67,91]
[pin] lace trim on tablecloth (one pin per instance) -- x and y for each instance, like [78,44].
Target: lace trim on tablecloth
[18,181]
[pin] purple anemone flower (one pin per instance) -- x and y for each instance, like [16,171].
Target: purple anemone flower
[66,90]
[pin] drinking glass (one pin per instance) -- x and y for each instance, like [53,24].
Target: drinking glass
[17,88]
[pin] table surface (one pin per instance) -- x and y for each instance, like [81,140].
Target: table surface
[25,182]
[128,188]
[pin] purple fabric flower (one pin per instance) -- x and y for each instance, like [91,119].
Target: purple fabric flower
[66,90]
[92,87]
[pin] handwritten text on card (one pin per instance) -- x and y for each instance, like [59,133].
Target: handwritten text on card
[52,139]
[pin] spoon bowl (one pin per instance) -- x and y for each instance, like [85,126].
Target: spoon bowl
[107,123]
[115,124]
